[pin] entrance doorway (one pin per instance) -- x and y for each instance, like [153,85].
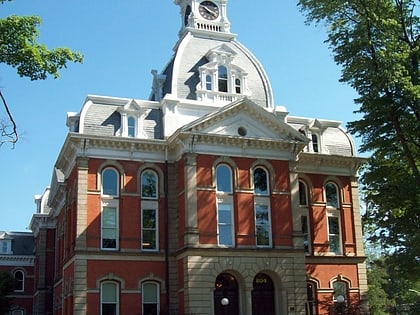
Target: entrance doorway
[226,299]
[263,295]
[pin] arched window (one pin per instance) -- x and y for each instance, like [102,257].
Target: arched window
[149,210]
[150,298]
[110,182]
[260,181]
[224,179]
[19,281]
[149,185]
[109,298]
[225,230]
[303,193]
[223,79]
[331,195]
[131,126]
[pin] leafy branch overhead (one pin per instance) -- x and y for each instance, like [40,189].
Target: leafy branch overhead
[20,49]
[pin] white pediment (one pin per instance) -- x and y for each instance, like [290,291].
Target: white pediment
[244,119]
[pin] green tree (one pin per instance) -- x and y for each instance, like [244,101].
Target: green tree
[19,48]
[7,285]
[376,42]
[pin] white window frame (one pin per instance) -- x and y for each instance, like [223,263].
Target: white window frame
[114,205]
[117,182]
[157,296]
[225,198]
[337,215]
[150,205]
[156,188]
[117,290]
[338,195]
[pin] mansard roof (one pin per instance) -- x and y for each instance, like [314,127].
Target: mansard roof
[182,71]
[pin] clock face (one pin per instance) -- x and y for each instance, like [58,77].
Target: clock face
[209,10]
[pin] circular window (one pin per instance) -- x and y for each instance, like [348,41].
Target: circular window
[242,131]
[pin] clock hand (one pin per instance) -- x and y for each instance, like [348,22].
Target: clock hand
[212,12]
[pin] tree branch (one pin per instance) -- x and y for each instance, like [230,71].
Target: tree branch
[12,136]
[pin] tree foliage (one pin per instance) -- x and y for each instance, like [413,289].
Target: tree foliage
[377,44]
[7,285]
[20,49]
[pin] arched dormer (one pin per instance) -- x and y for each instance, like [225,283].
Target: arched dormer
[220,78]
[132,116]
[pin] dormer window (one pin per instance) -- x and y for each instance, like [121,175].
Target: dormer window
[223,79]
[132,116]
[220,78]
[131,122]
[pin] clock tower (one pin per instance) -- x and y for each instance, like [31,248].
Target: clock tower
[204,16]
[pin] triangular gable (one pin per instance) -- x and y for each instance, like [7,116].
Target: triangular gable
[244,118]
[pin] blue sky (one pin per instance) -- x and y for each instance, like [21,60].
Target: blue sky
[122,41]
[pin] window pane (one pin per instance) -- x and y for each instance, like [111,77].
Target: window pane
[150,309]
[225,224]
[260,181]
[238,86]
[305,232]
[109,309]
[331,195]
[209,86]
[224,179]
[110,182]
[340,288]
[315,143]
[109,227]
[149,184]
[223,82]
[333,225]
[303,201]
[149,229]
[131,127]
[262,225]
[150,293]
[109,293]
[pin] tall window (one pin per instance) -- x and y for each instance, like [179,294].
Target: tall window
[109,227]
[262,208]
[224,205]
[331,195]
[223,79]
[209,82]
[131,126]
[238,86]
[109,298]
[150,298]
[334,233]
[109,215]
[311,298]
[17,312]
[303,194]
[149,210]
[19,281]
[315,144]
[305,231]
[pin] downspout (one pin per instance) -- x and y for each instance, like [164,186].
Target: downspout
[166,231]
